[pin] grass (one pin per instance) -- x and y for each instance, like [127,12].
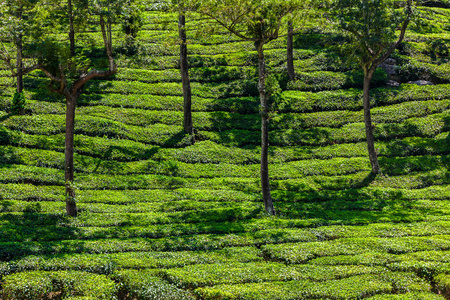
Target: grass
[161,218]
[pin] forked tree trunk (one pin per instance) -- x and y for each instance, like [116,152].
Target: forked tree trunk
[71,94]
[71,29]
[71,206]
[264,111]
[184,67]
[368,122]
[19,62]
[290,52]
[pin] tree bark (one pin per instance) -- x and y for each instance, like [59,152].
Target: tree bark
[71,29]
[368,122]
[71,206]
[264,111]
[184,68]
[290,52]
[19,62]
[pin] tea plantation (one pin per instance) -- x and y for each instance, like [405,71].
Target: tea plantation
[161,218]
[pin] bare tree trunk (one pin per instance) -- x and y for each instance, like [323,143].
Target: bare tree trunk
[368,122]
[264,111]
[71,29]
[184,67]
[290,52]
[19,62]
[71,205]
[110,33]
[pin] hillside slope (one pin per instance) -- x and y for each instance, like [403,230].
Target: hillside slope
[169,220]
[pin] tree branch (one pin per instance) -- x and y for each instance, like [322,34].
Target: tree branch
[401,36]
[7,59]
[96,73]
[232,30]
[50,75]
[30,69]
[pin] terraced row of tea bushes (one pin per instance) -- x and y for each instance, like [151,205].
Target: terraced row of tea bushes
[351,99]
[46,176]
[232,219]
[201,260]
[202,74]
[170,135]
[429,126]
[227,214]
[298,215]
[217,121]
[109,263]
[66,284]
[211,152]
[144,284]
[352,176]
[303,252]
[287,190]
[158,134]
[293,169]
[294,101]
[348,288]
[114,206]
[191,277]
[309,249]
[208,90]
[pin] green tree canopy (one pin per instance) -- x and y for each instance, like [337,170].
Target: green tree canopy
[251,20]
[372,26]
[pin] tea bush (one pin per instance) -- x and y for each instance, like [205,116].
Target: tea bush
[37,284]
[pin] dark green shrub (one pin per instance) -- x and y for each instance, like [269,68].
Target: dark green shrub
[18,103]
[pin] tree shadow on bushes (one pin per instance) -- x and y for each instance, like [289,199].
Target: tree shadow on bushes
[33,233]
[8,156]
[5,136]
[349,200]
[106,161]
[352,205]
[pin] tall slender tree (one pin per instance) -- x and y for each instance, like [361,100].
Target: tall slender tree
[19,45]
[375,28]
[12,30]
[14,23]
[71,27]
[182,7]
[290,51]
[257,21]
[68,75]
[184,69]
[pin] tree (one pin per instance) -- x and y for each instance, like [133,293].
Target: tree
[184,69]
[131,20]
[371,26]
[290,51]
[71,28]
[257,21]
[11,30]
[14,27]
[68,75]
[182,7]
